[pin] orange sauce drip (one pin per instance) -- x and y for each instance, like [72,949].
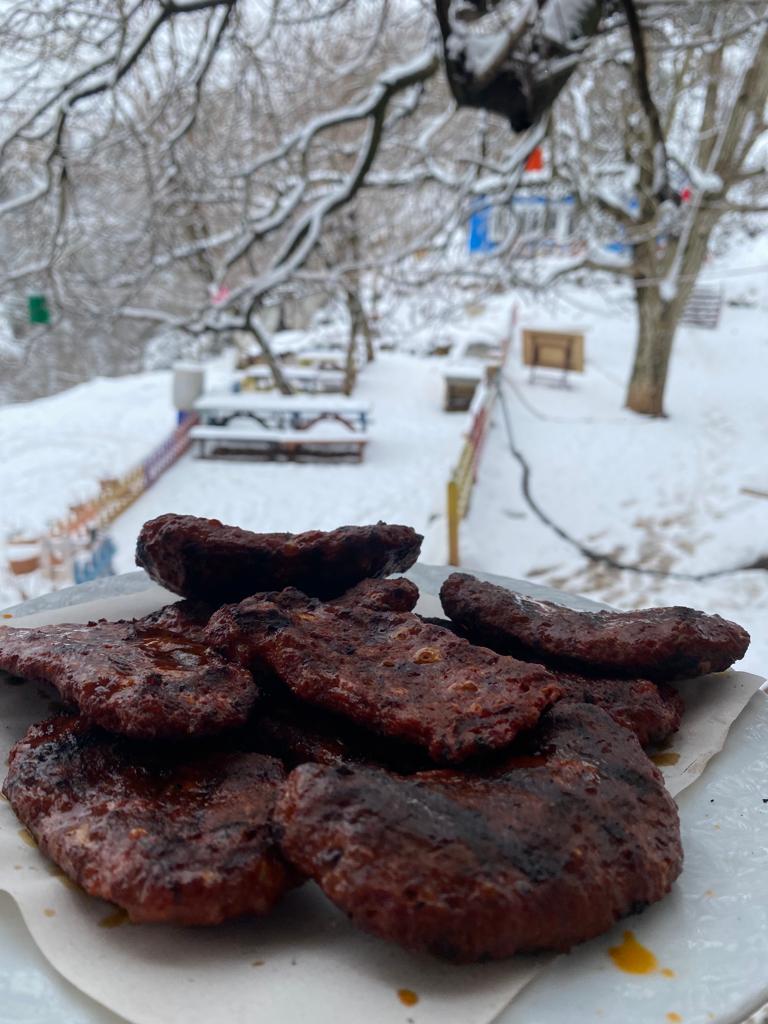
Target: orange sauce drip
[407,997]
[674,1018]
[633,958]
[668,757]
[667,972]
[7,615]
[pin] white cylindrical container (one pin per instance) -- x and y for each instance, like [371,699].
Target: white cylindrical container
[188,381]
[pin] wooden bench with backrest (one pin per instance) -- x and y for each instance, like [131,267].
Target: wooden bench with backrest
[295,445]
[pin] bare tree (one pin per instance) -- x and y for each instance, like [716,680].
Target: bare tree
[675,93]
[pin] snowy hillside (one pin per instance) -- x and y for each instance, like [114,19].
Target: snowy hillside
[56,449]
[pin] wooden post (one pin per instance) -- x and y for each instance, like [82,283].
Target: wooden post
[453,522]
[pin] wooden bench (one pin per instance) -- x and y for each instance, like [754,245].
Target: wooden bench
[288,445]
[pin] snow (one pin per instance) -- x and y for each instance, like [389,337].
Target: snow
[562,20]
[55,450]
[411,452]
[665,494]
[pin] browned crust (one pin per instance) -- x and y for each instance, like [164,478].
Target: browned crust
[139,678]
[553,850]
[389,672]
[204,559]
[660,644]
[174,837]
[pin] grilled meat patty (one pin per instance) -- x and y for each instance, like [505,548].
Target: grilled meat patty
[550,850]
[652,712]
[660,644]
[203,559]
[387,671]
[172,835]
[138,678]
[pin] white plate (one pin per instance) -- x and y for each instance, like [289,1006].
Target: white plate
[712,932]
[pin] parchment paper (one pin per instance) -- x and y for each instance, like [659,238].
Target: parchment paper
[305,963]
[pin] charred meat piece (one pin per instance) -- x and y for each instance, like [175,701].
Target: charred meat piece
[202,558]
[396,595]
[551,851]
[652,712]
[657,643]
[387,671]
[175,838]
[137,678]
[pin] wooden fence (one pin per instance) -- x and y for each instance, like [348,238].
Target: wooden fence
[704,307]
[462,480]
[465,472]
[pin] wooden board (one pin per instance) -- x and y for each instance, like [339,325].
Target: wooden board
[553,349]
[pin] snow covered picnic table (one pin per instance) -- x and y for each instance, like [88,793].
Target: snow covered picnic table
[281,412]
[305,378]
[461,383]
[330,357]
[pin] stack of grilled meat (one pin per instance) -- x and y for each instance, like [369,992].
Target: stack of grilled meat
[474,786]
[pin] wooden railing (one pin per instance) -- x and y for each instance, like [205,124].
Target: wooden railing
[465,472]
[462,479]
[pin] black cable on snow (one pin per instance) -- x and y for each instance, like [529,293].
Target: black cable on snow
[588,553]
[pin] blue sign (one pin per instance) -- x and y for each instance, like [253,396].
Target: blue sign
[98,564]
[480,230]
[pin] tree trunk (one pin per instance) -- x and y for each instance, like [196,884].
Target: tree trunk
[350,370]
[359,321]
[277,371]
[657,323]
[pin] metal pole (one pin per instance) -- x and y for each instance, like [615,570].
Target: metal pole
[453,522]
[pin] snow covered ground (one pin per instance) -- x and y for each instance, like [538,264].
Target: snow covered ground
[412,448]
[663,494]
[55,450]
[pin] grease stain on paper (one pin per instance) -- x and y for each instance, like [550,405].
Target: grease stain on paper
[115,919]
[665,759]
[27,837]
[407,997]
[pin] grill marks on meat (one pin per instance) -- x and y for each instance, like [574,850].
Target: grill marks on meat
[202,558]
[176,838]
[657,643]
[388,671]
[549,852]
[139,678]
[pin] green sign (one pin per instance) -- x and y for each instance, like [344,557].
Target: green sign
[38,309]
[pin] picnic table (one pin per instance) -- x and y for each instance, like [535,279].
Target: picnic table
[281,412]
[318,358]
[461,383]
[303,378]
